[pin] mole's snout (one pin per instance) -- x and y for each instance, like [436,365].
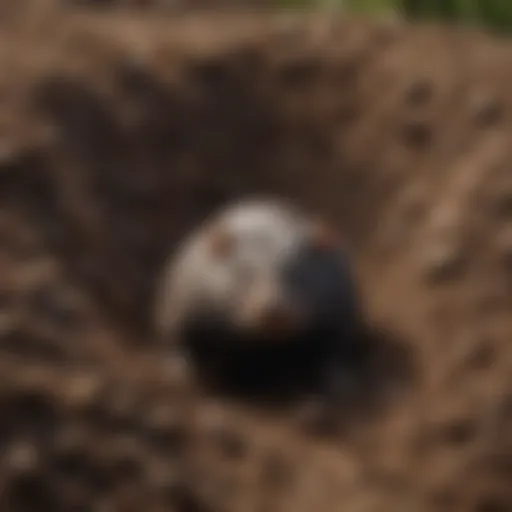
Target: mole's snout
[276,318]
[268,313]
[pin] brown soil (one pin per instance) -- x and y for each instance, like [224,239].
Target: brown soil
[120,132]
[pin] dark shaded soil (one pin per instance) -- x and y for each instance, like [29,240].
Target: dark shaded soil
[120,132]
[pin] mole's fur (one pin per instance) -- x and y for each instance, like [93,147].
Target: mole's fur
[262,290]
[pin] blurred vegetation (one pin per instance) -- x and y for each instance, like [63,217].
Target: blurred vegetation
[492,14]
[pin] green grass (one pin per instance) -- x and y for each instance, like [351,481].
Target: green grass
[357,6]
[493,14]
[370,6]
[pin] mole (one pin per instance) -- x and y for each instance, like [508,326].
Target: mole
[262,296]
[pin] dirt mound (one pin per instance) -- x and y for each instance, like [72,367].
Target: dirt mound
[117,134]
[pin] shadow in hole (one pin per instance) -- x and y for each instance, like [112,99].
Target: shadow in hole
[128,172]
[388,367]
[281,376]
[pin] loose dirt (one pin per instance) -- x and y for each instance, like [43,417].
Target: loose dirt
[118,132]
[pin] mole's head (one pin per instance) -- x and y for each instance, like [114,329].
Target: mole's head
[281,273]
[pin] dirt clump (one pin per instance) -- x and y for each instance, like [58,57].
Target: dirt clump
[119,133]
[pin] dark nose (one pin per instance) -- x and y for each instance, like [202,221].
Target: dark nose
[278,319]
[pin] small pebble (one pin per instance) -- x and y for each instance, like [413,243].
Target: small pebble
[176,367]
[81,390]
[210,418]
[22,457]
[443,261]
